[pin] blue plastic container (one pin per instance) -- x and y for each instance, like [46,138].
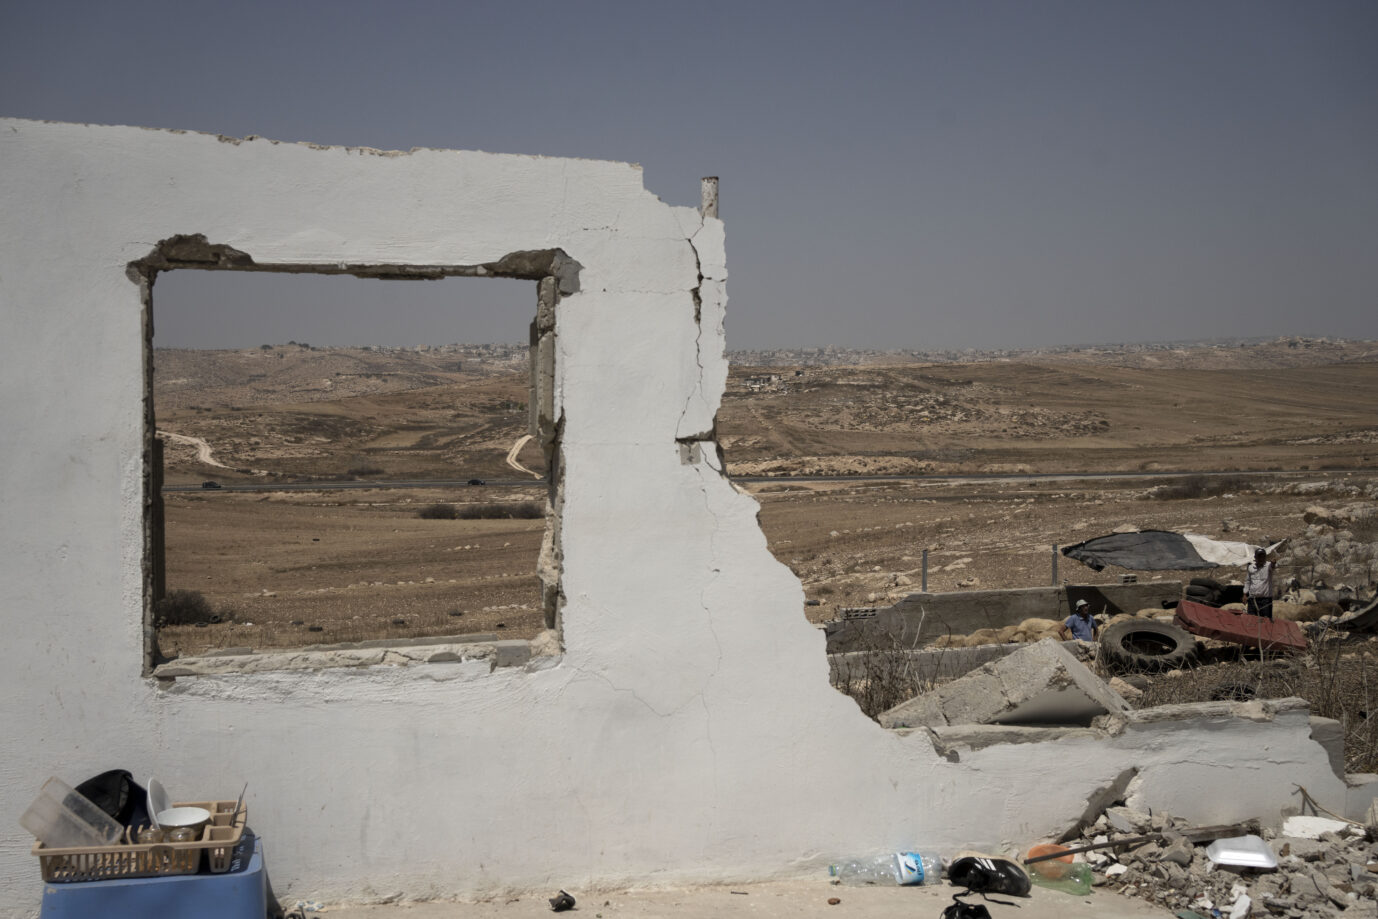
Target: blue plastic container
[236,894]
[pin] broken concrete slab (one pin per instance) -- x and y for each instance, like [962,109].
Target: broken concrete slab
[1306,826]
[953,741]
[1040,684]
[1127,820]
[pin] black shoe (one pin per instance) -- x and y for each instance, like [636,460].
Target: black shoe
[989,874]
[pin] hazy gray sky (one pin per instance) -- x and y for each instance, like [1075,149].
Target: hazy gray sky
[896,175]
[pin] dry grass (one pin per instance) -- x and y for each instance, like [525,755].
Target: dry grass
[189,607]
[1338,676]
[879,680]
[519,510]
[885,674]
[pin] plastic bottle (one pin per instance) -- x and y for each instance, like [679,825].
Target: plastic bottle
[903,868]
[1076,879]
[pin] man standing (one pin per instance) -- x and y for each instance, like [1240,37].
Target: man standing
[1258,585]
[1081,624]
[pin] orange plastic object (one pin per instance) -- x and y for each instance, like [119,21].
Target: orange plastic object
[1054,868]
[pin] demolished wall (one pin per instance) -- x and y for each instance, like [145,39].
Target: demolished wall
[676,724]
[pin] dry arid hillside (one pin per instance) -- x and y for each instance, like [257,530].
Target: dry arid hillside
[292,567]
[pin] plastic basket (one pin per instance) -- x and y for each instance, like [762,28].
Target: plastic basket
[103,863]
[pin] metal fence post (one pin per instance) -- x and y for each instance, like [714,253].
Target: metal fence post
[924,582]
[1054,564]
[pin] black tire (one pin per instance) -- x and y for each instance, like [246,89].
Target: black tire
[1147,646]
[1209,583]
[1232,593]
[1203,595]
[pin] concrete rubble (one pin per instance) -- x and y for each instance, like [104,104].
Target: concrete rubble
[1331,875]
[1039,684]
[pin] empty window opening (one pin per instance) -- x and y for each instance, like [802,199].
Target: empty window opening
[342,459]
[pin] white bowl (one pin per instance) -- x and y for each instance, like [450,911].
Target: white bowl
[194,817]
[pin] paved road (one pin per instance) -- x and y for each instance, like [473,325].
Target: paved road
[972,477]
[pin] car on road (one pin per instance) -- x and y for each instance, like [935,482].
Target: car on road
[477,482]
[210,484]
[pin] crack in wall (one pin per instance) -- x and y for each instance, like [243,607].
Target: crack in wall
[714,573]
[697,390]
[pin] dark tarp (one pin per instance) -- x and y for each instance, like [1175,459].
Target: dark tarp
[1150,550]
[1363,620]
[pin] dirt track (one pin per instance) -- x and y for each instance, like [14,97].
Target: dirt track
[357,565]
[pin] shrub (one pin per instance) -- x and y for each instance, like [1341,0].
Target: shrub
[361,465]
[526,510]
[1201,486]
[1365,527]
[1333,675]
[188,607]
[883,674]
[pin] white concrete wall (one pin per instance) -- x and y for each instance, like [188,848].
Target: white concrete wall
[688,732]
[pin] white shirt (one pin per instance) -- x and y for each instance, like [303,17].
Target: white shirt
[1258,579]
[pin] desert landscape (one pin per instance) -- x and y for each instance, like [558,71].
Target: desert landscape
[327,460]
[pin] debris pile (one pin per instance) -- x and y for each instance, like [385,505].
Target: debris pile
[1325,868]
[1338,547]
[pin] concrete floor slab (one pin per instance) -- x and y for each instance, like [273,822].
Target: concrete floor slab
[799,899]
[1039,684]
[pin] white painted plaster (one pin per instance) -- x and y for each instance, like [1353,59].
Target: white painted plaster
[688,731]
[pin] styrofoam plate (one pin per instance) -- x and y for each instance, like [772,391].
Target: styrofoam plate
[1243,851]
[158,801]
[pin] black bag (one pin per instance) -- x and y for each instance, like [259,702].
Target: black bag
[116,793]
[960,910]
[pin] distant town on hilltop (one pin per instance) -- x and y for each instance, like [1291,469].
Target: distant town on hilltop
[835,356]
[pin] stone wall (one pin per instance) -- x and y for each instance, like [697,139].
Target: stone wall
[920,618]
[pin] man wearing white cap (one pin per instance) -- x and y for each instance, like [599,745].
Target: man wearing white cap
[1081,624]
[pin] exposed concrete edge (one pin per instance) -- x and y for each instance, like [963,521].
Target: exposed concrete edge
[1361,790]
[473,638]
[512,653]
[976,743]
[947,739]
[1261,710]
[951,740]
[194,250]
